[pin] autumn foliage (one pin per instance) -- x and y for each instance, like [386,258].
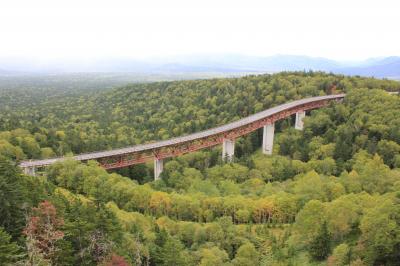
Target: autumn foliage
[43,229]
[115,260]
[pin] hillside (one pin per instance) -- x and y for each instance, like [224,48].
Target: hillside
[329,195]
[86,120]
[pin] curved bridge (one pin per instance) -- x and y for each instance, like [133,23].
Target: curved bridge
[225,135]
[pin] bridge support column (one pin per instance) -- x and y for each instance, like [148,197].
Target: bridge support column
[30,171]
[228,150]
[158,168]
[268,139]
[299,120]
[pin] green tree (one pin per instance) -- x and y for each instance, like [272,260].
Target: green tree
[320,246]
[11,198]
[9,251]
[166,250]
[340,256]
[213,256]
[343,214]
[380,234]
[247,255]
[171,252]
[310,186]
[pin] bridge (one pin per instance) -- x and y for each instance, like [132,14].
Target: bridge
[225,135]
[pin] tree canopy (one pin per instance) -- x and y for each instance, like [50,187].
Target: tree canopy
[329,194]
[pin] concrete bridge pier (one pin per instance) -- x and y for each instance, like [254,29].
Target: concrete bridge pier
[299,125]
[268,139]
[158,168]
[228,150]
[30,171]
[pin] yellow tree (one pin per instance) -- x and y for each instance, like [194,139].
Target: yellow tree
[160,203]
[263,210]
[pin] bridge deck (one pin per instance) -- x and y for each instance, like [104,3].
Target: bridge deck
[199,135]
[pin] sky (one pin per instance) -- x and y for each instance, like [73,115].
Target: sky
[61,29]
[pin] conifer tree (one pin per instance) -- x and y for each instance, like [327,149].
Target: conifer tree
[320,247]
[11,198]
[8,250]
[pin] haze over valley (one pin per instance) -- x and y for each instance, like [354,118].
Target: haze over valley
[203,65]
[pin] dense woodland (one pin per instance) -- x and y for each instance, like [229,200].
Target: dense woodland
[329,195]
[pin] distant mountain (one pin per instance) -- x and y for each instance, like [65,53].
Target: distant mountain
[254,63]
[387,67]
[182,68]
[383,68]
[4,72]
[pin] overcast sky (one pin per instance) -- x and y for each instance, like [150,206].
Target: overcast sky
[337,29]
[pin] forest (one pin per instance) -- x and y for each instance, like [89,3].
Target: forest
[329,194]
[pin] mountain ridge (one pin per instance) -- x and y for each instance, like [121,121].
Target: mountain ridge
[382,67]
